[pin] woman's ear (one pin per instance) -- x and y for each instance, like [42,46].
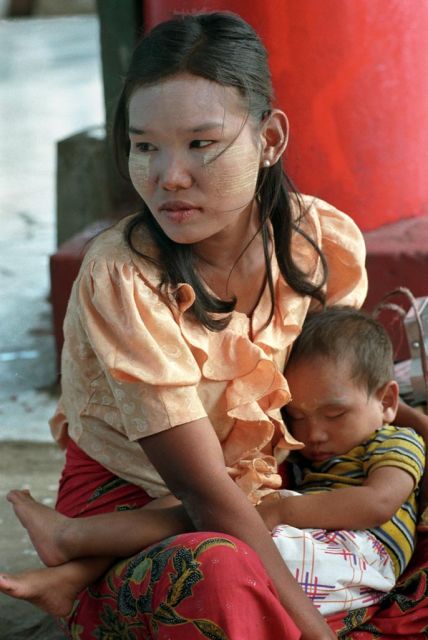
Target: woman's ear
[274,135]
[389,397]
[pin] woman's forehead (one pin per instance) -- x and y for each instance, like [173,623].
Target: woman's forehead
[190,101]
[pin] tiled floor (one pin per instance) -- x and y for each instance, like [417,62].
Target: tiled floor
[50,87]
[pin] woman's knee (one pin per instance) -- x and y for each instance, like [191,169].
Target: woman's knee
[218,579]
[209,564]
[185,583]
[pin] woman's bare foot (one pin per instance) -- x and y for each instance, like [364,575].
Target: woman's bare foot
[46,527]
[53,589]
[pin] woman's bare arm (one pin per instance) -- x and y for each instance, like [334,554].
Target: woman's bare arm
[190,460]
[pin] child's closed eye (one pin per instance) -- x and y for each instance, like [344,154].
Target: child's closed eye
[333,416]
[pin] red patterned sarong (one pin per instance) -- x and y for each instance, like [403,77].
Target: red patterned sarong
[188,587]
[202,585]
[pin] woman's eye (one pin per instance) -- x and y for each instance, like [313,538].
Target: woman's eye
[200,144]
[144,146]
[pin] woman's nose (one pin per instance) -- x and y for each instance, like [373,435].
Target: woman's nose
[174,173]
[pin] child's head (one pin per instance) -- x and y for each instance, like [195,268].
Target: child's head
[341,380]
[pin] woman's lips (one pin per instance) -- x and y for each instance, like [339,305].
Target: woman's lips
[179,212]
[179,215]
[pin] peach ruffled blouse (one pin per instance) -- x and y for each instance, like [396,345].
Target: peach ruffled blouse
[135,363]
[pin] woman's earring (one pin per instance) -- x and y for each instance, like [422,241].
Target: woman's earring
[266,163]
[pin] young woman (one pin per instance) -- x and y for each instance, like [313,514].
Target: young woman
[177,332]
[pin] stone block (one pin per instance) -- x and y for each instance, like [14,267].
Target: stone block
[83,194]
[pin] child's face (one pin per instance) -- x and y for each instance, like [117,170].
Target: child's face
[329,412]
[178,129]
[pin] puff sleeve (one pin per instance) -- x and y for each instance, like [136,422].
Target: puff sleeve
[343,246]
[140,349]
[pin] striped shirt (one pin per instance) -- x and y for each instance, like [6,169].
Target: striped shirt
[388,447]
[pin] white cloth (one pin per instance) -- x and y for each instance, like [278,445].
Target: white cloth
[338,570]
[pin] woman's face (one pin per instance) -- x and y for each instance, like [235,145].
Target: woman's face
[194,157]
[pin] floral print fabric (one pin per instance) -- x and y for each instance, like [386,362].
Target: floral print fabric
[177,590]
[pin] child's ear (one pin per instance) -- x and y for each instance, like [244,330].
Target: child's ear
[389,397]
[274,137]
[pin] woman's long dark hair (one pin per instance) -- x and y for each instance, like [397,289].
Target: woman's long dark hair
[223,48]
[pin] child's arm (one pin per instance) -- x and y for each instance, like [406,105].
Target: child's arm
[364,507]
[122,533]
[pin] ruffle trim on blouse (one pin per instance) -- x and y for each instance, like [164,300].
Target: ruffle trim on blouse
[257,477]
[256,390]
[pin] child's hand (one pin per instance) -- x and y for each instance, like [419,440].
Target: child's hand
[270,511]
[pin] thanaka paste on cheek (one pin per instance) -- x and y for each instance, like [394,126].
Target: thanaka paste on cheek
[139,171]
[233,172]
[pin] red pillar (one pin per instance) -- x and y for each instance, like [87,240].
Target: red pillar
[353,79]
